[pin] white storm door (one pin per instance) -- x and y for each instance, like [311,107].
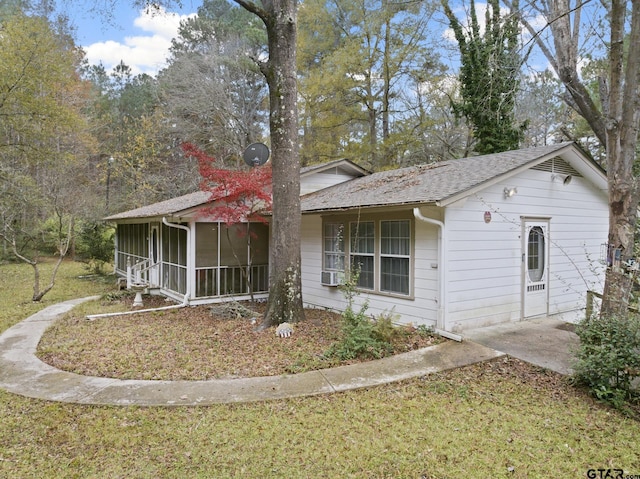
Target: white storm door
[154,256]
[535,268]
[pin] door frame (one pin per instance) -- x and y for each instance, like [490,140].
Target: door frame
[526,288]
[154,255]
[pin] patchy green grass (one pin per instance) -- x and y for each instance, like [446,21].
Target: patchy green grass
[483,421]
[16,288]
[498,419]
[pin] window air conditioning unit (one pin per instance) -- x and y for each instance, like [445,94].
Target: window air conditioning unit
[331,278]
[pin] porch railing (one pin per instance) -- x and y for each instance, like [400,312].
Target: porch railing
[228,280]
[592,295]
[139,272]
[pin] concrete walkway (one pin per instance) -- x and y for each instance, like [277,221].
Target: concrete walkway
[545,342]
[22,373]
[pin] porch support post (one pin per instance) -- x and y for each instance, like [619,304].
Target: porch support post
[190,254]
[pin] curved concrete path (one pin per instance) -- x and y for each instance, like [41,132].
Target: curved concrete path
[21,372]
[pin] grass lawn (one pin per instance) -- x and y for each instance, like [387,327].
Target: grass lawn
[497,419]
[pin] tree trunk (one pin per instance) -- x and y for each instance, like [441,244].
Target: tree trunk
[623,203]
[285,285]
[37,293]
[616,126]
[622,137]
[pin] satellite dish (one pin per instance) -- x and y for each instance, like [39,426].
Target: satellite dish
[256,154]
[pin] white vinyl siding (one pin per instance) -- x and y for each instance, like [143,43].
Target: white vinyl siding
[484,277]
[319,181]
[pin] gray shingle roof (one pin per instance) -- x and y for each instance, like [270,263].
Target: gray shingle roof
[414,185]
[163,208]
[344,163]
[424,183]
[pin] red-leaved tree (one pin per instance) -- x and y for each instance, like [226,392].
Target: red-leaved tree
[237,197]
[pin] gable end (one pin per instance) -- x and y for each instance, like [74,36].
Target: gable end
[557,165]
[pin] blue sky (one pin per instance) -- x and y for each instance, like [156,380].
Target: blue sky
[138,38]
[141,40]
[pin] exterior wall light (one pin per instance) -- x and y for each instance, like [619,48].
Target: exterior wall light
[565,179]
[509,192]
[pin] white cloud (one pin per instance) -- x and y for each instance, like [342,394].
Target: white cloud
[144,53]
[464,16]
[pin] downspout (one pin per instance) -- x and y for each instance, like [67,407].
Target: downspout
[442,290]
[185,300]
[185,303]
[187,294]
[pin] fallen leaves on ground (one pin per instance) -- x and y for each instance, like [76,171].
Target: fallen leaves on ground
[192,343]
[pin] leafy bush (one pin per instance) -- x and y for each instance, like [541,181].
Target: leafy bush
[384,330]
[363,337]
[360,338]
[95,245]
[608,358]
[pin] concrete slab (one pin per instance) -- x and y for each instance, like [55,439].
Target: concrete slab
[545,342]
[417,363]
[201,393]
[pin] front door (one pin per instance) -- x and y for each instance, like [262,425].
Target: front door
[535,259]
[154,259]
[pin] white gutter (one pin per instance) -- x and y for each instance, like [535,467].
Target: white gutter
[185,302]
[442,289]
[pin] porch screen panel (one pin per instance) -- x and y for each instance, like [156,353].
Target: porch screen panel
[206,245]
[132,244]
[174,259]
[234,257]
[206,259]
[132,239]
[259,250]
[173,245]
[259,243]
[233,245]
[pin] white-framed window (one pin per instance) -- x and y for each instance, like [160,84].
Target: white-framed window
[362,252]
[395,256]
[535,254]
[333,241]
[379,251]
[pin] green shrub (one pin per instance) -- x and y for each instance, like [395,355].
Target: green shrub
[95,245]
[360,339]
[384,328]
[608,358]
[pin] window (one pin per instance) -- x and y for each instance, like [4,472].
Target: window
[378,251]
[395,254]
[362,257]
[333,246]
[535,254]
